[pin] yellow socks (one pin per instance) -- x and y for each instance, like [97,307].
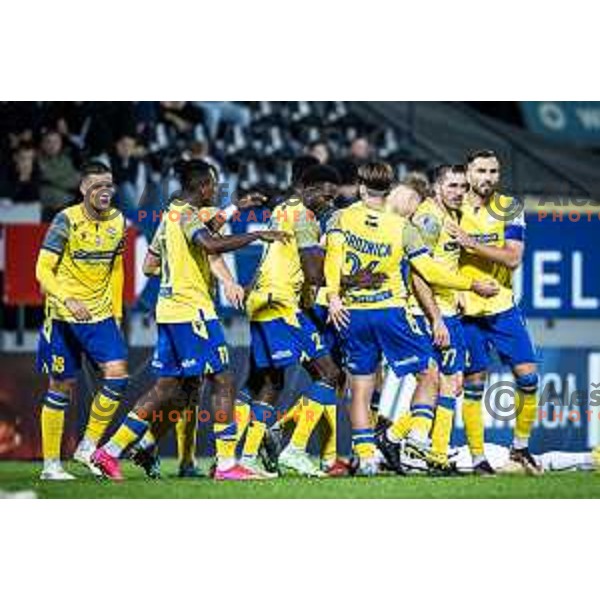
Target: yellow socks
[293,414]
[317,397]
[133,429]
[254,437]
[442,427]
[309,415]
[363,443]
[53,422]
[421,421]
[103,409]
[225,443]
[399,430]
[473,419]
[527,386]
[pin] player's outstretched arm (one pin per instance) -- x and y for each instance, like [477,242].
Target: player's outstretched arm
[250,200]
[230,243]
[435,273]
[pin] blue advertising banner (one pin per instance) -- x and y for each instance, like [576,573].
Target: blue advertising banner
[559,277]
[574,121]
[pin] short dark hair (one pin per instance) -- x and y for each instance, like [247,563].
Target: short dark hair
[301,164]
[319,174]
[347,170]
[472,156]
[193,173]
[440,172]
[376,176]
[94,167]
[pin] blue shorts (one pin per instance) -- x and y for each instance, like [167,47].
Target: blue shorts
[373,333]
[190,349]
[451,360]
[278,344]
[61,345]
[330,336]
[506,332]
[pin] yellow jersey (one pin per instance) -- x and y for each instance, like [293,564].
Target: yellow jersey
[277,287]
[88,250]
[487,226]
[375,240]
[186,283]
[430,219]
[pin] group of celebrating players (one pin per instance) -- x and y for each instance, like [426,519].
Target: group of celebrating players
[354,275]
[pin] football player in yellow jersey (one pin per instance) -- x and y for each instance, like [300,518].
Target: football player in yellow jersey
[191,343]
[80,270]
[492,233]
[282,335]
[374,323]
[316,308]
[440,306]
[144,453]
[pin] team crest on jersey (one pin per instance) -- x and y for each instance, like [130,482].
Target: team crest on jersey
[429,224]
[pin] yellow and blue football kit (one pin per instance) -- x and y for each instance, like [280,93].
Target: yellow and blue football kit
[376,240]
[430,219]
[281,335]
[81,258]
[367,238]
[191,341]
[495,323]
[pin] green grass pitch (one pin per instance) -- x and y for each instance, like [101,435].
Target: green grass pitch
[16,476]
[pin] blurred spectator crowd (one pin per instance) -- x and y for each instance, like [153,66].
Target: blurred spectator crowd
[253,144]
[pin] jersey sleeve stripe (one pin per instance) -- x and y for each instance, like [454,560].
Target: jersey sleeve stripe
[417,252]
[52,249]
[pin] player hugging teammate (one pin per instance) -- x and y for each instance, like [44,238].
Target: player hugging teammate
[422,283]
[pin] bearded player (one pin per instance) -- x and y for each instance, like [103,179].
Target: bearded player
[492,235]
